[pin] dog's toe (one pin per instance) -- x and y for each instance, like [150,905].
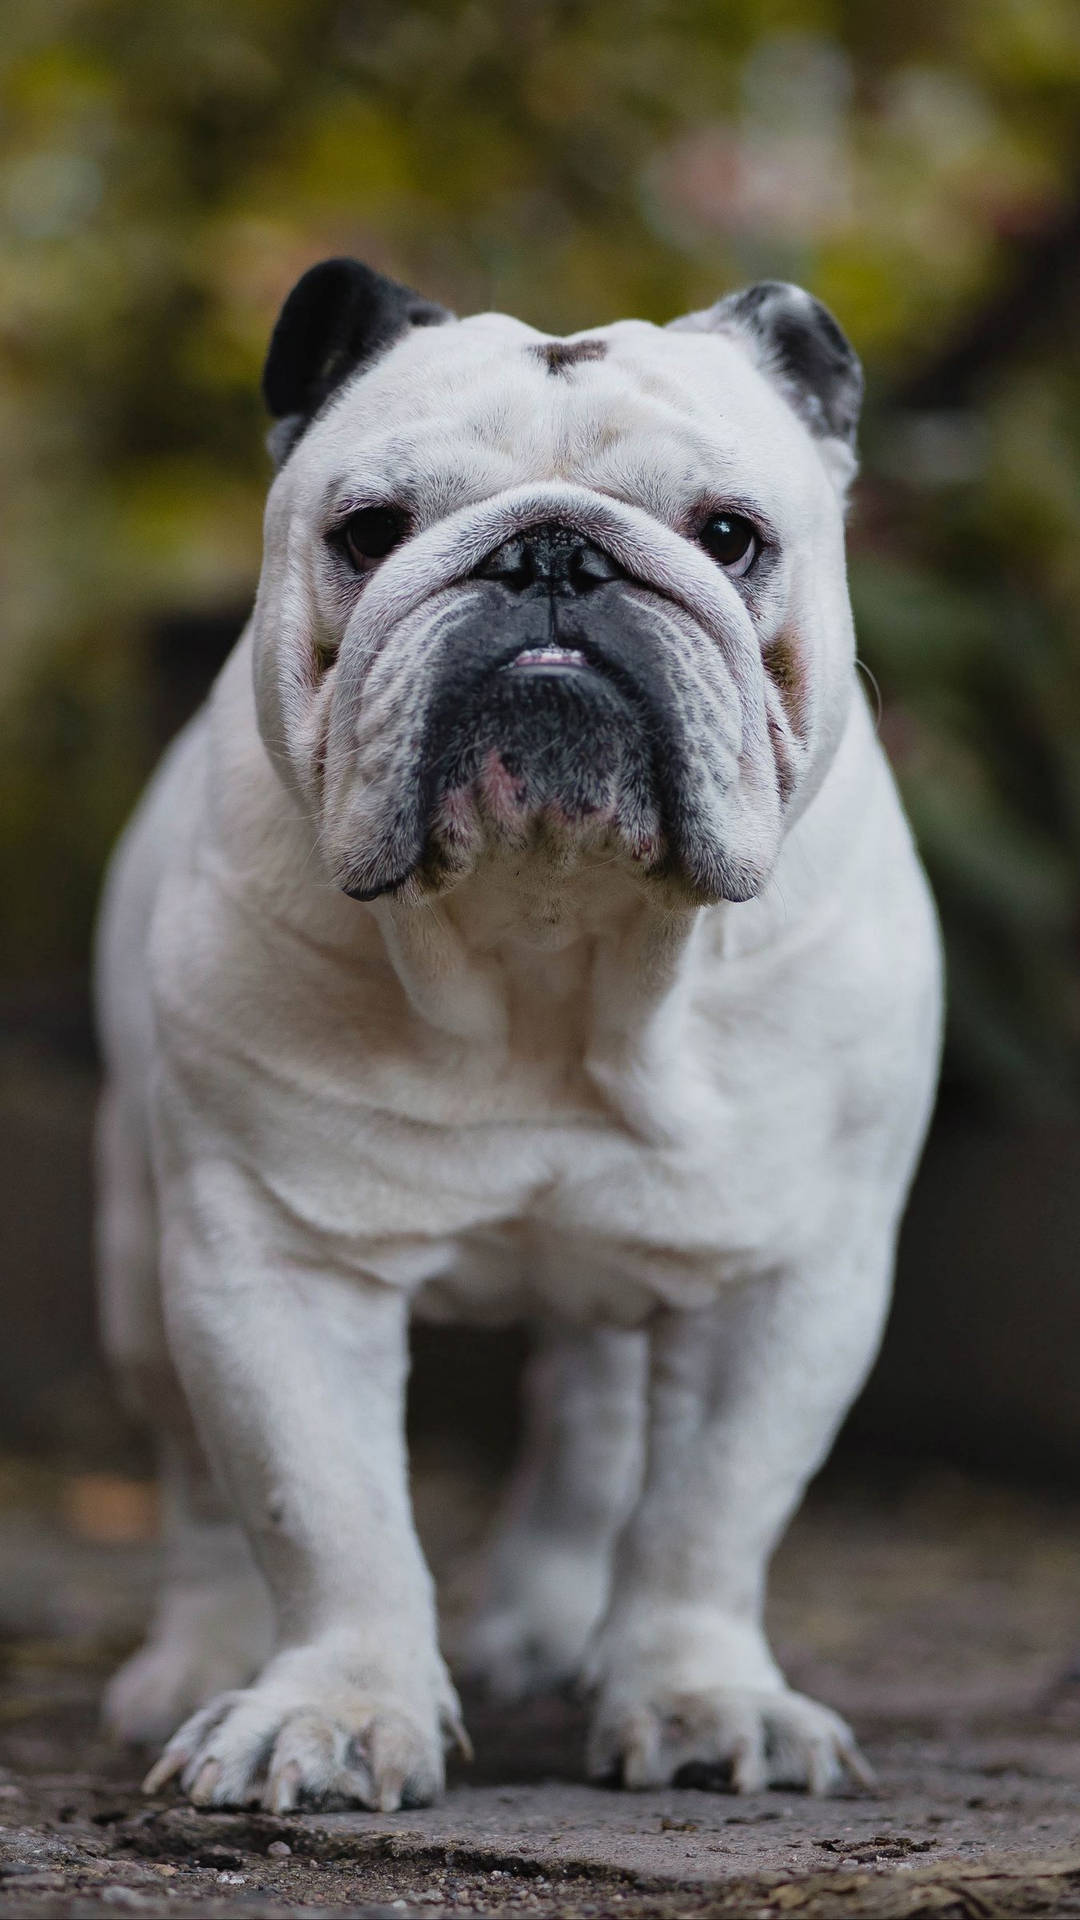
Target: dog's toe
[733,1738]
[307,1735]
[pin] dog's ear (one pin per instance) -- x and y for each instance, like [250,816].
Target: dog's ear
[796,343]
[338,317]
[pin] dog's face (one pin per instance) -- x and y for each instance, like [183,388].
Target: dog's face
[586,592]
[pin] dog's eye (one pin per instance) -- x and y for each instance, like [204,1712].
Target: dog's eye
[732,540]
[371,533]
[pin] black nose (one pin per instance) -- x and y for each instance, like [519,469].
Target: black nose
[549,559]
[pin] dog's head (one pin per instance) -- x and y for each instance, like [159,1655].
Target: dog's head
[588,590]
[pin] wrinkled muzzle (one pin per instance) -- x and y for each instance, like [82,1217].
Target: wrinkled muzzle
[542,712]
[552,662]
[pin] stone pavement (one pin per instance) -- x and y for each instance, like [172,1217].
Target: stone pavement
[941,1615]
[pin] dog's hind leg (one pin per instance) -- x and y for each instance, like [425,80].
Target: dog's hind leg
[211,1626]
[576,1481]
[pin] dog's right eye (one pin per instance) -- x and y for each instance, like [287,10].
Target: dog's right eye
[370,534]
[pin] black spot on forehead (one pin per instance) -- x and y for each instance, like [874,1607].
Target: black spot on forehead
[559,355]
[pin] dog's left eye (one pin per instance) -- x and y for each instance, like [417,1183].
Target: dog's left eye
[371,533]
[732,540]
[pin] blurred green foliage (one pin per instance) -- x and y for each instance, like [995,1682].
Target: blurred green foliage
[168,169]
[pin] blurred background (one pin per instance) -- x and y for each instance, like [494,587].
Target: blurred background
[166,173]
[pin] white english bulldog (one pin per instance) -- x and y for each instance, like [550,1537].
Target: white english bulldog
[527,926]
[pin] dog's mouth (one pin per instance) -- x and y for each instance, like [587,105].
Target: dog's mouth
[547,734]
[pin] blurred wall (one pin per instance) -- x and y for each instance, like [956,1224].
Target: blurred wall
[166,172]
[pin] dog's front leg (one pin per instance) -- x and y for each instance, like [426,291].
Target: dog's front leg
[297,1380]
[745,1398]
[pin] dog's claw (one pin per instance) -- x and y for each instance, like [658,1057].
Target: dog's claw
[204,1786]
[163,1771]
[859,1767]
[282,1789]
[455,1726]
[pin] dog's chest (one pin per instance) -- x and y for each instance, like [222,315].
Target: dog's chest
[587,1222]
[495,1191]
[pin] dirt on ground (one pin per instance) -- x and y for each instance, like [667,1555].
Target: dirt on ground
[941,1614]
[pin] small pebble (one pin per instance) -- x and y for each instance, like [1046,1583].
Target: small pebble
[278,1849]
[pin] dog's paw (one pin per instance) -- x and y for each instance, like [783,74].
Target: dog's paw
[531,1637]
[319,1727]
[513,1656]
[204,1642]
[739,1738]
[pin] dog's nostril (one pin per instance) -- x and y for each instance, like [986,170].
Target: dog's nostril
[513,565]
[589,568]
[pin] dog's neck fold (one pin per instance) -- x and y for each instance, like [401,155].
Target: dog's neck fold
[618,982]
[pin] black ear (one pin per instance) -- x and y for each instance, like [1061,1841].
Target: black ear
[338,317]
[796,340]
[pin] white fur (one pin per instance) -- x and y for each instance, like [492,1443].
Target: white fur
[557,1088]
